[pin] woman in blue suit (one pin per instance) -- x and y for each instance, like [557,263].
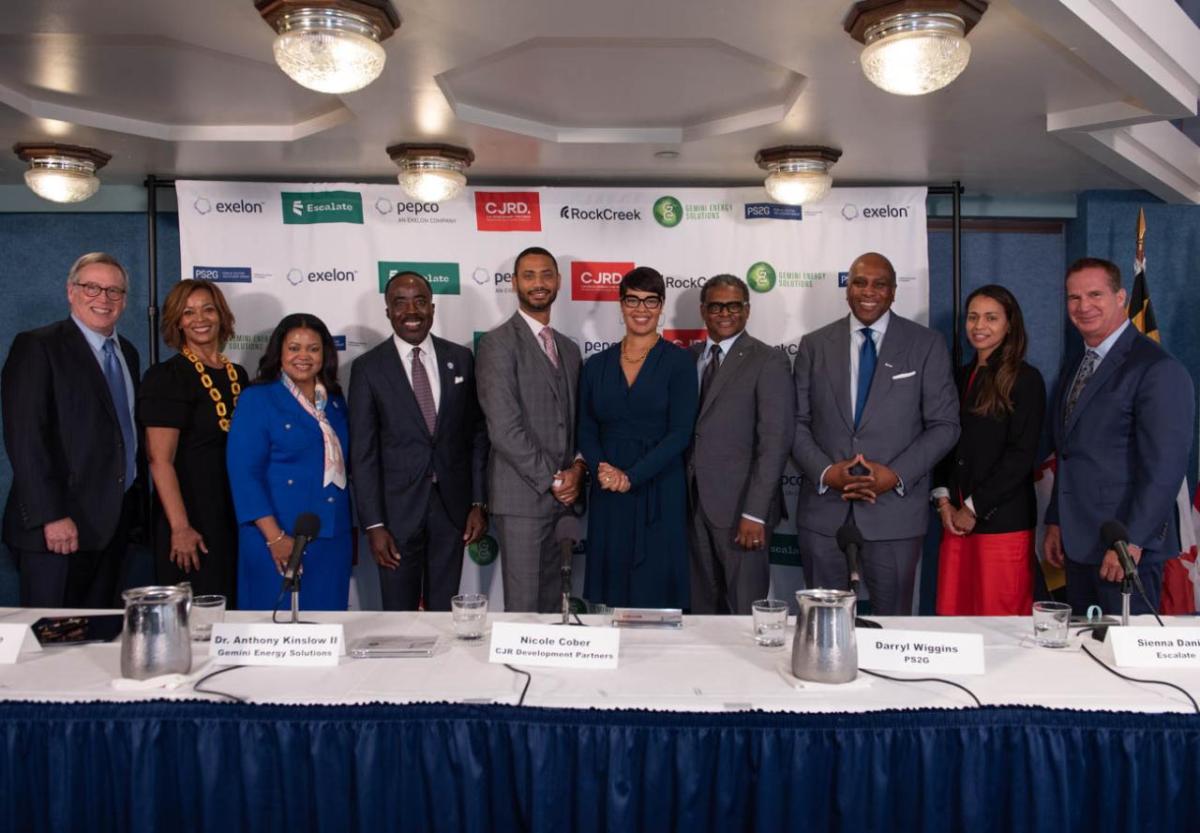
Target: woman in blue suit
[286,456]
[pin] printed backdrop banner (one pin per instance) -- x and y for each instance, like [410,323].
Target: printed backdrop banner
[329,248]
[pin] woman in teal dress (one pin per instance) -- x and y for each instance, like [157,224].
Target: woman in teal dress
[637,406]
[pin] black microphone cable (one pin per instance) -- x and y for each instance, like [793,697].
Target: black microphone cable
[196,685]
[1109,668]
[528,680]
[970,693]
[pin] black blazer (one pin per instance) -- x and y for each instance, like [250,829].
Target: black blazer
[392,454]
[995,458]
[62,437]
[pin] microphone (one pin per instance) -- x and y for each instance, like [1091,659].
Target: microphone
[308,526]
[1116,538]
[850,541]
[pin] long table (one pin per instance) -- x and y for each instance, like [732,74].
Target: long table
[698,729]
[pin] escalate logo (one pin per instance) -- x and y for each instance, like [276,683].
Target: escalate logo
[443,277]
[222,274]
[508,211]
[306,208]
[785,549]
[686,338]
[595,281]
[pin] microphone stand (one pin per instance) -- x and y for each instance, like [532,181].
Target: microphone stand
[858,621]
[295,588]
[1126,597]
[565,548]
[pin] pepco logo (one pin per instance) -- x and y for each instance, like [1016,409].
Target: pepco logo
[686,338]
[508,211]
[595,281]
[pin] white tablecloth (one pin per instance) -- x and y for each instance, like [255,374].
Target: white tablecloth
[711,664]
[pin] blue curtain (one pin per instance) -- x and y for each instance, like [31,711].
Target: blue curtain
[212,767]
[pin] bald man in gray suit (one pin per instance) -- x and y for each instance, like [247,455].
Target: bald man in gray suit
[527,375]
[876,409]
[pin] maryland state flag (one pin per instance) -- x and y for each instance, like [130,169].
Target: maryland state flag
[1179,588]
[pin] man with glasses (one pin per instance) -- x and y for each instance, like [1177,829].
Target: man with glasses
[68,391]
[528,379]
[418,452]
[739,447]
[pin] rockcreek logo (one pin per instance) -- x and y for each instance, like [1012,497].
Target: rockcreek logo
[297,276]
[763,277]
[412,212]
[686,338]
[222,274]
[484,551]
[850,211]
[508,211]
[603,215]
[443,277]
[203,205]
[670,212]
[595,281]
[306,208]
[772,211]
[677,282]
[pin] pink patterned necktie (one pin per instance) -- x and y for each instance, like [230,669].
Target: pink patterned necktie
[423,390]
[548,346]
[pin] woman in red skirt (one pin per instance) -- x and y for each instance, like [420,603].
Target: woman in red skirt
[984,488]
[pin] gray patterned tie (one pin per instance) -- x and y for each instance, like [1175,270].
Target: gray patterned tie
[1086,368]
[423,390]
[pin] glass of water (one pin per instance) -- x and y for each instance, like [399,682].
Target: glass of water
[470,615]
[206,611]
[770,620]
[1051,624]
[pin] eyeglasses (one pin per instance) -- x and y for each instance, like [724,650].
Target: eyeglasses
[731,307]
[651,302]
[93,290]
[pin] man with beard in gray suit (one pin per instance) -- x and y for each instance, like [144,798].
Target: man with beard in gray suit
[876,409]
[527,376]
[741,442]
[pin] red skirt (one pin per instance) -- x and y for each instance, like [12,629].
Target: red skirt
[986,575]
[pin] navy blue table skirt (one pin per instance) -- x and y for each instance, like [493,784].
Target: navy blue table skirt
[172,766]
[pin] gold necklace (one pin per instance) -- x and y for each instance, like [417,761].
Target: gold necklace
[214,393]
[646,352]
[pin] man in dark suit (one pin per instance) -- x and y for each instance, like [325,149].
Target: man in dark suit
[68,391]
[740,444]
[1123,422]
[876,409]
[528,375]
[418,452]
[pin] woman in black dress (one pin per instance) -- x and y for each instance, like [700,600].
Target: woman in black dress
[186,404]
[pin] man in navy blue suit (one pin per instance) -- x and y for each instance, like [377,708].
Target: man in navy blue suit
[1123,420]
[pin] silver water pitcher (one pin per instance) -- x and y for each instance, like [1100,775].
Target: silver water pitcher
[156,639]
[824,649]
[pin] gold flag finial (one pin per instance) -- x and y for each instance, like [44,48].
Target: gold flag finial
[1141,235]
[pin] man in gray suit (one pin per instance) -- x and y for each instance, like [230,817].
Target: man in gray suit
[527,375]
[876,409]
[740,445]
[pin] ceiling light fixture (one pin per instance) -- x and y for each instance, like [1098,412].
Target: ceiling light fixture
[331,46]
[431,173]
[799,174]
[913,47]
[61,173]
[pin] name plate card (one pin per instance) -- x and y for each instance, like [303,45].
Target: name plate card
[556,646]
[269,644]
[931,652]
[1138,647]
[13,638]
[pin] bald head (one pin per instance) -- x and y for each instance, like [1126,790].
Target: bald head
[870,287]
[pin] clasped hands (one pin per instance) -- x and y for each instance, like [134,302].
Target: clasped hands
[877,479]
[612,479]
[960,521]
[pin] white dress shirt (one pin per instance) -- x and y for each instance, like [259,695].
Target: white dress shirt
[428,360]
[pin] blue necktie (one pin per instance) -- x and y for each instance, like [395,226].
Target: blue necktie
[120,400]
[866,370]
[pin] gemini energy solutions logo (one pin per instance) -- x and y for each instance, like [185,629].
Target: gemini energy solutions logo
[508,211]
[308,207]
[443,277]
[668,211]
[595,281]
[761,277]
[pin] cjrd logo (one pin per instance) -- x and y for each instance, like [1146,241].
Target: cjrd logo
[508,211]
[596,281]
[685,338]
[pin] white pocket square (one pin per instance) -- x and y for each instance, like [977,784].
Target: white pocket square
[904,375]
[458,380]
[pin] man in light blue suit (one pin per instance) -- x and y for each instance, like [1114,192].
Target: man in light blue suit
[1123,422]
[876,409]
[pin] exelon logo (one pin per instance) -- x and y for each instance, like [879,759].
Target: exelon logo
[297,276]
[307,208]
[203,205]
